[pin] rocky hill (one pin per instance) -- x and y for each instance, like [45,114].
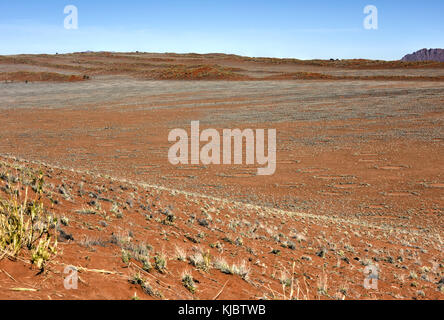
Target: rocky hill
[426,55]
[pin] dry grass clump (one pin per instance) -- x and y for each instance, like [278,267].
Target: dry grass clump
[139,252]
[240,269]
[222,265]
[25,225]
[200,260]
[180,254]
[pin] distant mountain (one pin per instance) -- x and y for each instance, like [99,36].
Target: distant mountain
[426,55]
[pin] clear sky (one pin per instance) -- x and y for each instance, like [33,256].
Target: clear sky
[308,29]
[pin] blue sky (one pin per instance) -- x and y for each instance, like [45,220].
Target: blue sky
[308,29]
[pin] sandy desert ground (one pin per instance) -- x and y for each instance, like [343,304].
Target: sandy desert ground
[359,178]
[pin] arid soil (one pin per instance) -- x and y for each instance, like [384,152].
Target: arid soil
[359,176]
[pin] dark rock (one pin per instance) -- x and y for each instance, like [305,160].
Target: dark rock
[203,222]
[63,236]
[130,202]
[64,192]
[190,238]
[321,253]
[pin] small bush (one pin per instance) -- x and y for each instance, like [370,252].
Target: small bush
[188,282]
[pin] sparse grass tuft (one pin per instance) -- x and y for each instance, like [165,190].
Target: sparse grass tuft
[188,282]
[160,263]
[201,260]
[240,269]
[180,254]
[222,265]
[138,280]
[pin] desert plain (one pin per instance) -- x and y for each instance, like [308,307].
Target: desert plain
[358,184]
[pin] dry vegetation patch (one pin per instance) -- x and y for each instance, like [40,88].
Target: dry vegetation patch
[24,76]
